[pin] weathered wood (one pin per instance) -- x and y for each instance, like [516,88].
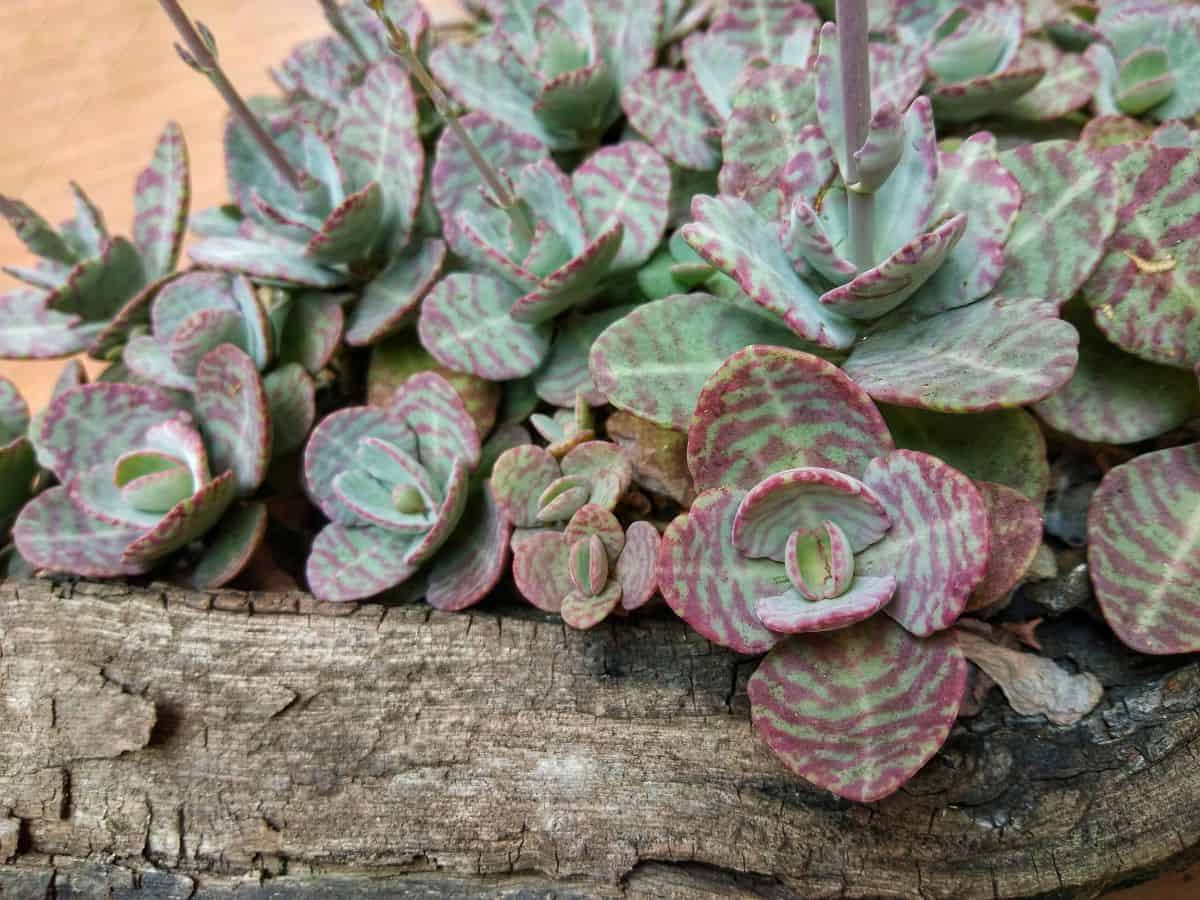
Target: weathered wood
[154,746]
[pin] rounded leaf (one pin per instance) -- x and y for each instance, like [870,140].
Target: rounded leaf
[860,710]
[637,566]
[471,563]
[231,406]
[585,611]
[794,613]
[520,476]
[1015,528]
[938,543]
[236,540]
[354,563]
[628,183]
[768,409]
[53,533]
[596,521]
[605,468]
[391,298]
[541,569]
[332,448]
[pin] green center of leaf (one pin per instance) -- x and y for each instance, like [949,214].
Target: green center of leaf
[819,561]
[407,499]
[152,481]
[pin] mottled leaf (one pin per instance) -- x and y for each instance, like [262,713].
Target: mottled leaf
[264,262]
[667,108]
[231,406]
[29,329]
[541,565]
[792,613]
[36,233]
[185,522]
[1143,538]
[768,409]
[291,405]
[708,582]
[582,611]
[236,539]
[354,563]
[518,480]
[566,372]
[571,284]
[391,299]
[471,563]
[332,447]
[161,199]
[313,331]
[1068,85]
[98,287]
[604,467]
[1015,532]
[53,534]
[860,710]
[937,546]
[637,566]
[627,183]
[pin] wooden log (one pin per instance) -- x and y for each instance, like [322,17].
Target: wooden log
[156,743]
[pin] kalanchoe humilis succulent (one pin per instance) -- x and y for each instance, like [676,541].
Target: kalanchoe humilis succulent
[552,69]
[1148,59]
[141,478]
[395,484]
[90,286]
[547,246]
[590,569]
[17,465]
[809,523]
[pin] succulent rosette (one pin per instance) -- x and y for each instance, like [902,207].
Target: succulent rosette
[552,69]
[352,218]
[141,478]
[551,251]
[89,286]
[814,539]
[396,485]
[589,570]
[1148,59]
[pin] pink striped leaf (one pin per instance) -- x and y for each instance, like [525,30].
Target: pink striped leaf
[566,372]
[604,467]
[628,183]
[1144,550]
[655,361]
[313,331]
[626,33]
[571,284]
[937,546]
[583,611]
[769,409]
[637,565]
[391,300]
[1069,84]
[475,557]
[519,478]
[291,405]
[444,430]
[185,522]
[731,236]
[53,533]
[354,563]
[707,580]
[351,230]
[1069,201]
[29,329]
[38,235]
[793,613]
[1005,446]
[1144,289]
[668,110]
[162,196]
[541,569]
[231,407]
[993,354]
[860,710]
[98,287]
[1015,529]
[235,540]
[1115,397]
[465,324]
[592,520]
[265,262]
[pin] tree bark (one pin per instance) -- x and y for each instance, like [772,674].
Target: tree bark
[156,743]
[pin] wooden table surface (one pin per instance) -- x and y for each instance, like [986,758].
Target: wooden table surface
[87,85]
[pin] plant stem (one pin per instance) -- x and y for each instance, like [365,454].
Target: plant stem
[853,26]
[501,192]
[206,62]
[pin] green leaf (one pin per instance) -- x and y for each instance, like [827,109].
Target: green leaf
[98,287]
[667,108]
[628,183]
[161,199]
[236,540]
[391,299]
[231,407]
[36,233]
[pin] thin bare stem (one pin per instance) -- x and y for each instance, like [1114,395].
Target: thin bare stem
[337,21]
[852,29]
[501,192]
[199,54]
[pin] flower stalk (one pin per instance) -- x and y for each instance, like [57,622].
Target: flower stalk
[200,53]
[852,32]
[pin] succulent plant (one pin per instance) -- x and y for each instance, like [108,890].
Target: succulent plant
[534,489]
[546,247]
[17,465]
[140,477]
[395,484]
[552,69]
[1148,59]
[89,286]
[810,523]
[590,569]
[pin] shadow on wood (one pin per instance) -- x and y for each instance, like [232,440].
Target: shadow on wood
[156,743]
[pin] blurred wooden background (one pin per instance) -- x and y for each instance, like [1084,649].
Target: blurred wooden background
[86,86]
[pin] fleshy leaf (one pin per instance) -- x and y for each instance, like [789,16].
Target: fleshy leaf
[731,236]
[93,424]
[582,611]
[571,284]
[466,326]
[791,613]
[803,499]
[596,521]
[667,108]
[36,233]
[768,409]
[906,202]
[993,354]
[1005,446]
[1144,289]
[1069,83]
[708,582]
[185,522]
[566,372]
[31,330]
[1015,529]
[351,229]
[1115,397]
[332,447]
[313,331]
[444,429]
[604,467]
[860,710]
[1069,202]
[354,563]
[377,141]
[655,361]
[391,299]
[831,111]
[162,196]
[53,533]
[541,570]
[98,287]
[625,36]
[231,406]
[627,183]
[237,539]
[1142,550]
[637,566]
[265,262]
[291,406]
[518,480]
[938,543]
[475,557]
